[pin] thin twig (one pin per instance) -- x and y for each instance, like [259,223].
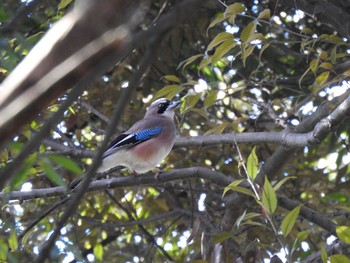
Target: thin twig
[43,215]
[148,235]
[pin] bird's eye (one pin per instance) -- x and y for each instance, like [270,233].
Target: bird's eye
[162,106]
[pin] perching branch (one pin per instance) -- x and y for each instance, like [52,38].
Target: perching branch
[209,175]
[116,182]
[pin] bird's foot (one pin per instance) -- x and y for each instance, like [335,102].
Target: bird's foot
[158,171]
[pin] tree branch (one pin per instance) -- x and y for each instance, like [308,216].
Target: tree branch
[117,182]
[59,61]
[214,177]
[148,235]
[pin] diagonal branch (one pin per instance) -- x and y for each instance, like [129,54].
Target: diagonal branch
[149,236]
[63,57]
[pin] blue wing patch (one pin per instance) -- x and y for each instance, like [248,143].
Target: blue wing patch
[130,140]
[147,134]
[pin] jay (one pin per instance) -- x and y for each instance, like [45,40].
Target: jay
[147,142]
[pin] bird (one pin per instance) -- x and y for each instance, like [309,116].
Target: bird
[146,143]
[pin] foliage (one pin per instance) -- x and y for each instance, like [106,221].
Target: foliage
[238,68]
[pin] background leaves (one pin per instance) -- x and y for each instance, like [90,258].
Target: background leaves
[237,68]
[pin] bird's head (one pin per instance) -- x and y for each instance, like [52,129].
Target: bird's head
[163,107]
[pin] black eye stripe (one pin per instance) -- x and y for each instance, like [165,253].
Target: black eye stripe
[163,106]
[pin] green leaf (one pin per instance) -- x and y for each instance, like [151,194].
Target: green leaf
[98,251]
[280,183]
[20,177]
[306,31]
[322,78]
[217,20]
[190,60]
[314,65]
[64,3]
[236,8]
[339,259]
[4,156]
[265,46]
[269,198]
[332,38]
[204,63]
[327,65]
[254,223]
[301,236]
[218,39]
[246,216]
[324,255]
[24,172]
[222,237]
[13,242]
[289,221]
[323,55]
[3,250]
[343,232]
[217,129]
[246,52]
[191,101]
[240,219]
[265,14]
[302,76]
[66,163]
[201,112]
[333,55]
[252,164]
[248,31]
[344,207]
[51,173]
[223,49]
[168,91]
[210,98]
[172,78]
[234,187]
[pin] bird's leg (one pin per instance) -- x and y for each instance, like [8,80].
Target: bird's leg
[158,171]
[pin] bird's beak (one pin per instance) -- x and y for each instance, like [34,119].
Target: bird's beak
[174,104]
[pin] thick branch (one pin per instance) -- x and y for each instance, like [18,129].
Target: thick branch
[284,138]
[147,179]
[63,57]
[214,177]
[308,126]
